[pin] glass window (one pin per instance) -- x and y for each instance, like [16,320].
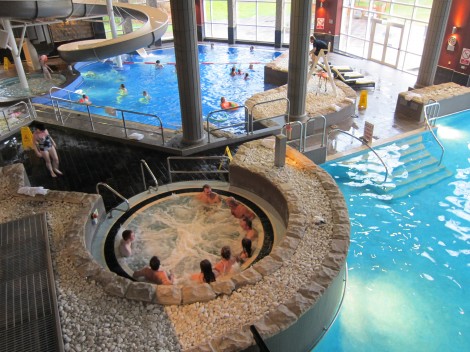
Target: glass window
[216,19]
[255,19]
[165,6]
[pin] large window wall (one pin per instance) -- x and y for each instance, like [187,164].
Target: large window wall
[390,32]
[255,20]
[120,23]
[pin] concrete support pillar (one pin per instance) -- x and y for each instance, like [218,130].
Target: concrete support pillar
[187,67]
[301,15]
[278,38]
[232,23]
[112,24]
[280,149]
[433,42]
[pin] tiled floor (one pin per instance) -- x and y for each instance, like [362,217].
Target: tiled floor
[86,161]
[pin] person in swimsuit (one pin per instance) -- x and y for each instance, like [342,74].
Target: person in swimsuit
[46,148]
[153,274]
[224,266]
[206,275]
[247,226]
[208,196]
[125,245]
[246,252]
[238,209]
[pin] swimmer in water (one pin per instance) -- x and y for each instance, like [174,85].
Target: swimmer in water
[125,248]
[238,209]
[158,65]
[122,89]
[208,196]
[153,273]
[224,266]
[247,77]
[246,252]
[146,96]
[247,226]
[85,100]
[233,71]
[206,275]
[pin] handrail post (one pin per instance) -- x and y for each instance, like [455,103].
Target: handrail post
[115,193]
[124,123]
[143,164]
[433,108]
[208,129]
[91,119]
[367,145]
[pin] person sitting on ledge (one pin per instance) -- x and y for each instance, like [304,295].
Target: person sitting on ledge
[125,248]
[206,275]
[238,209]
[153,274]
[208,196]
[224,266]
[247,226]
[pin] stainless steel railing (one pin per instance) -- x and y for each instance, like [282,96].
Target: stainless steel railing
[367,145]
[116,193]
[431,112]
[222,159]
[144,166]
[16,116]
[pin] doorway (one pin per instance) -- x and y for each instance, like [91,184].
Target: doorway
[385,42]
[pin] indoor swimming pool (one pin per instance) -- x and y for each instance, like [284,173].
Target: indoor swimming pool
[101,82]
[408,280]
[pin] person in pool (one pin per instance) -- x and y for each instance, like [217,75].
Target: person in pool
[246,252]
[238,209]
[247,77]
[146,96]
[122,89]
[224,266]
[206,275]
[233,71]
[85,100]
[152,273]
[158,65]
[247,226]
[208,196]
[125,245]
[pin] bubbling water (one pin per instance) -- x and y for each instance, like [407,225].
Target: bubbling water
[182,231]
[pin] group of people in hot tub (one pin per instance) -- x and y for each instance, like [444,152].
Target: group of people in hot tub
[153,272]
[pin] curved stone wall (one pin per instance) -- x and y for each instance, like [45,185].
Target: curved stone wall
[284,288]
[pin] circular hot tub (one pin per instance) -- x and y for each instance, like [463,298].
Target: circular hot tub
[181,230]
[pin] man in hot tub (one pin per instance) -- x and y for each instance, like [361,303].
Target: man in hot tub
[152,273]
[208,196]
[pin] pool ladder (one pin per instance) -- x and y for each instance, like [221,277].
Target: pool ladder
[143,167]
[431,114]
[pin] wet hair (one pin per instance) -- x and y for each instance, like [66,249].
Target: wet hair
[122,85]
[157,62]
[155,263]
[39,126]
[206,186]
[206,270]
[248,222]
[225,252]
[84,96]
[246,245]
[232,202]
[126,234]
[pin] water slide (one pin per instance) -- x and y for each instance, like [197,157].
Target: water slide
[155,25]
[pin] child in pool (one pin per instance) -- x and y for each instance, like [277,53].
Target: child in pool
[122,89]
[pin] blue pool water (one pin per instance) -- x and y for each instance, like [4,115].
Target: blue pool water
[101,82]
[409,260]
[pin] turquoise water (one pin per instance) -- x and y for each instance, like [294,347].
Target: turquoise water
[101,82]
[409,259]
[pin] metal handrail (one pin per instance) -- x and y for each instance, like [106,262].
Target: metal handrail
[116,193]
[170,171]
[284,131]
[432,108]
[143,164]
[323,141]
[246,123]
[122,111]
[267,118]
[367,145]
[8,108]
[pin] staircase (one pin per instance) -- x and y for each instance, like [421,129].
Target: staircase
[412,166]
